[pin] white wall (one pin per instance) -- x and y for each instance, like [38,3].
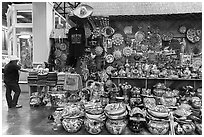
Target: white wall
[42,26]
[144,8]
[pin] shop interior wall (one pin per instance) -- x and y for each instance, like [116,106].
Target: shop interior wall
[164,23]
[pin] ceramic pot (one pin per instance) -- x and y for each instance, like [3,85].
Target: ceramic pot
[117,116]
[168,101]
[158,92]
[136,125]
[116,126]
[196,102]
[158,127]
[159,111]
[72,125]
[185,128]
[73,110]
[93,126]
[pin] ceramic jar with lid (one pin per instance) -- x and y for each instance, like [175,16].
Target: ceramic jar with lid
[93,126]
[72,125]
[158,127]
[136,120]
[116,127]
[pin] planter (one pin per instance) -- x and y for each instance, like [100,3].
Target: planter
[93,126]
[116,126]
[158,127]
[72,125]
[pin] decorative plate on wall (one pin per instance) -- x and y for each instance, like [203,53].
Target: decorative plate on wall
[182,29]
[193,35]
[139,36]
[117,54]
[109,58]
[117,39]
[63,46]
[107,31]
[127,51]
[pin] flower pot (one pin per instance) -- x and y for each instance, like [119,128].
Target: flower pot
[116,126]
[93,126]
[158,127]
[72,125]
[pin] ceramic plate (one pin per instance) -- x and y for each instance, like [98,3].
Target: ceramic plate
[139,36]
[109,58]
[182,29]
[127,51]
[63,46]
[193,36]
[108,31]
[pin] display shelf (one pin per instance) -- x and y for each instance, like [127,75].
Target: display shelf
[150,82]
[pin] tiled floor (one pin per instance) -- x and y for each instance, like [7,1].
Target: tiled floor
[34,121]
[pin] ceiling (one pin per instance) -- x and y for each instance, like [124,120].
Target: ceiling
[119,8]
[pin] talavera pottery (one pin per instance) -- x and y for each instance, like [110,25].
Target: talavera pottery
[168,101]
[159,111]
[196,102]
[72,125]
[117,116]
[73,110]
[115,108]
[93,126]
[109,58]
[107,31]
[149,102]
[193,36]
[184,128]
[116,126]
[100,117]
[117,39]
[158,127]
[136,124]
[94,108]
[98,50]
[127,51]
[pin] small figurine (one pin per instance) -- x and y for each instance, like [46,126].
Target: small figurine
[122,72]
[187,73]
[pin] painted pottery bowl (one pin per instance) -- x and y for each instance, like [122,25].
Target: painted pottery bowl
[93,126]
[159,111]
[73,110]
[72,125]
[116,126]
[158,127]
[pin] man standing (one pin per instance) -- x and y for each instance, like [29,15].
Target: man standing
[11,78]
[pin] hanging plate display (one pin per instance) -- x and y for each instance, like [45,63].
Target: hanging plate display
[192,35]
[117,54]
[182,29]
[58,62]
[139,36]
[64,56]
[155,42]
[58,53]
[127,51]
[168,36]
[117,39]
[98,50]
[107,31]
[63,46]
[109,58]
